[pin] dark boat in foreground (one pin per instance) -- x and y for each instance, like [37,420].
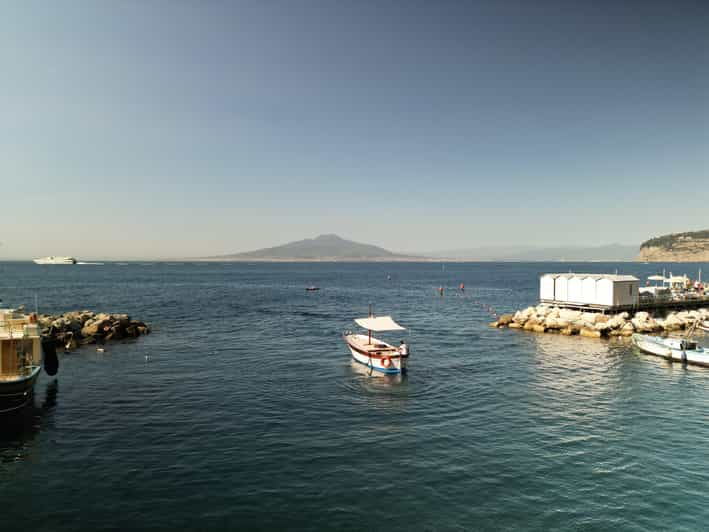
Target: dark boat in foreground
[21,358]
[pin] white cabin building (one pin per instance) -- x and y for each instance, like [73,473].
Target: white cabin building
[599,291]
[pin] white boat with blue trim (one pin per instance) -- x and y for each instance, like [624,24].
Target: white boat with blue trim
[673,349]
[374,353]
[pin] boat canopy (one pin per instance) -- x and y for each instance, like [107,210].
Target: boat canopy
[380,323]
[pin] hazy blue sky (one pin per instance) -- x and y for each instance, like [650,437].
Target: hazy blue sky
[138,129]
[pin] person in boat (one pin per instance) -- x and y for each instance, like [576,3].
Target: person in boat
[403,349]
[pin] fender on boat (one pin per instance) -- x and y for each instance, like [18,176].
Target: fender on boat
[49,356]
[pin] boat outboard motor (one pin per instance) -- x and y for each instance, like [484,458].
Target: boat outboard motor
[49,356]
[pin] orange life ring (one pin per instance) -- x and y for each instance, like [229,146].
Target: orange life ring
[386,362]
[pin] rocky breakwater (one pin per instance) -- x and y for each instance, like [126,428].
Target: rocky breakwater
[73,329]
[547,319]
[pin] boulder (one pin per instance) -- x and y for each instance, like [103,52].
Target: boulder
[539,328]
[529,324]
[555,323]
[494,324]
[520,317]
[96,326]
[627,330]
[570,330]
[542,310]
[570,315]
[513,325]
[589,317]
[602,327]
[553,313]
[590,333]
[505,319]
[616,322]
[672,323]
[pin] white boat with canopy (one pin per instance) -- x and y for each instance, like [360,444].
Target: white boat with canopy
[374,353]
[682,350]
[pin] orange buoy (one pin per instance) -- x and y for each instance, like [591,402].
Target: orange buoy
[386,362]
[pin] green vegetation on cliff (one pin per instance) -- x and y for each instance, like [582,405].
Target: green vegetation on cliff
[674,240]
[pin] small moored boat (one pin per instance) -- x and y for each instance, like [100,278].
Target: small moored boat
[374,353]
[673,349]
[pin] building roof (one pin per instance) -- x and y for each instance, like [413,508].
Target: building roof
[596,276]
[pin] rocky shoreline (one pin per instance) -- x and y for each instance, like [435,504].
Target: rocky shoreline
[74,329]
[550,319]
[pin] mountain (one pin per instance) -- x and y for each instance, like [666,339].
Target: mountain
[323,247]
[608,253]
[676,247]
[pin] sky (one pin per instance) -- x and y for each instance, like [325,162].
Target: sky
[175,129]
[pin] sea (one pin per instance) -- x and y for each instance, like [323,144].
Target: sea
[243,410]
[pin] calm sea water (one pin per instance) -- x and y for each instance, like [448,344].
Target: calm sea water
[248,413]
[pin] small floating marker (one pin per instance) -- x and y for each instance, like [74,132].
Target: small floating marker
[440,290]
[147,358]
[100,350]
[462,287]
[312,289]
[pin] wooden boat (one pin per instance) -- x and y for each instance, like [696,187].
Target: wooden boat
[374,353]
[673,349]
[20,358]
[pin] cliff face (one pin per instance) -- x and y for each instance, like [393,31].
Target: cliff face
[679,247]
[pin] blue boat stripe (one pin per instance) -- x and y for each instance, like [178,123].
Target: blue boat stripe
[374,368]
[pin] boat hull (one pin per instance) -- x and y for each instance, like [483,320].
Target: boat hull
[16,393]
[655,345]
[55,260]
[378,356]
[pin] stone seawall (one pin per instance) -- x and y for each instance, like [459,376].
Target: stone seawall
[73,329]
[549,319]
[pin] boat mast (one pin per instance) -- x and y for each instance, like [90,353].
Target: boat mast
[369,331]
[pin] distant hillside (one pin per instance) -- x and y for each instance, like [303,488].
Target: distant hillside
[322,248]
[608,253]
[676,247]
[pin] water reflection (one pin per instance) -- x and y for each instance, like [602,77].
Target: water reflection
[19,429]
[575,380]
